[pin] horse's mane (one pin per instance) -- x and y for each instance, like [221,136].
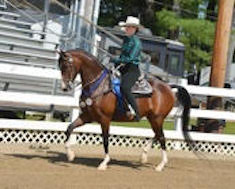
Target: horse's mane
[95,59]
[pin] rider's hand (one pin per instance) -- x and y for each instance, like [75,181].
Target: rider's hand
[113,59]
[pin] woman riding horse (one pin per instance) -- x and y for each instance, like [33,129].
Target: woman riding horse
[98,102]
[130,57]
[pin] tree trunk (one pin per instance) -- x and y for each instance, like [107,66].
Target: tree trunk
[230,52]
[221,44]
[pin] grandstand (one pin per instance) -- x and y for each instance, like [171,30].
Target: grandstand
[25,49]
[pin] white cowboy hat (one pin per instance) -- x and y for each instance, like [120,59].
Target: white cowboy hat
[131,21]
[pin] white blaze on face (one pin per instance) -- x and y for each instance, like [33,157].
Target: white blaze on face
[63,85]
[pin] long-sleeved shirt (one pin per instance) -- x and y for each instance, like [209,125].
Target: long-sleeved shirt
[131,50]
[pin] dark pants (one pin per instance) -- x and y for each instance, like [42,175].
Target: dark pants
[130,74]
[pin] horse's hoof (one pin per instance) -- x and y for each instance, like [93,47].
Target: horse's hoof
[102,167]
[160,167]
[70,156]
[104,164]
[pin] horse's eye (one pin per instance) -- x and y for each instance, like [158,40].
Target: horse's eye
[70,60]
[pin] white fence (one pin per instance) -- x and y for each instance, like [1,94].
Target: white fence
[17,131]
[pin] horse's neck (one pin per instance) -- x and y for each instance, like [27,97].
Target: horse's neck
[90,72]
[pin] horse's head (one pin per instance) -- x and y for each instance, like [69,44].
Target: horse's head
[68,69]
[72,62]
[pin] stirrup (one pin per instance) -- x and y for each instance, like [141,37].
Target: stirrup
[133,117]
[131,110]
[136,118]
[132,114]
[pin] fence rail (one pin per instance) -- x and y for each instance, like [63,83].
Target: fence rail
[24,130]
[114,130]
[43,132]
[69,102]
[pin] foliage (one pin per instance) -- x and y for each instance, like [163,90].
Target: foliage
[196,34]
[176,19]
[189,8]
[111,12]
[166,20]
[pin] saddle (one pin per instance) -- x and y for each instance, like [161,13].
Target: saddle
[141,89]
[142,86]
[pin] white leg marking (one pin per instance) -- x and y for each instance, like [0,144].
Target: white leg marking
[163,162]
[63,85]
[144,155]
[103,165]
[70,152]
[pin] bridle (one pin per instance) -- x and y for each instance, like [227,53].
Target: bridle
[89,87]
[68,61]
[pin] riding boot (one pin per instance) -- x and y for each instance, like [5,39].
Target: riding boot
[131,100]
[136,116]
[130,74]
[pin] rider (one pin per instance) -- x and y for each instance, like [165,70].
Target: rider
[130,57]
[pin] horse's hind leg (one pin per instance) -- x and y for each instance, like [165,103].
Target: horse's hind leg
[157,123]
[161,138]
[105,132]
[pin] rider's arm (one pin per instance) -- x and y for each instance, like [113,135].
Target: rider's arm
[132,52]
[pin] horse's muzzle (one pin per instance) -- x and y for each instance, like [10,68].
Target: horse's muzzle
[65,89]
[66,86]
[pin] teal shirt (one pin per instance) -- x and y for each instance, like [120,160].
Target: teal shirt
[131,50]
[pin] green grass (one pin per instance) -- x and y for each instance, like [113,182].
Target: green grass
[230,128]
[169,125]
[143,124]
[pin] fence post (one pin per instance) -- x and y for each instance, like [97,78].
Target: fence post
[178,116]
[178,126]
[178,123]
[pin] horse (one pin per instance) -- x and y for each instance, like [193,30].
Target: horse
[98,103]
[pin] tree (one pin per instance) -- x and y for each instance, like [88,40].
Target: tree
[111,12]
[196,34]
[173,19]
[190,8]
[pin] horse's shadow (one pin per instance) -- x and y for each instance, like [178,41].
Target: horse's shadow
[61,160]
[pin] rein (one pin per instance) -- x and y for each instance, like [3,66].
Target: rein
[87,84]
[88,87]
[100,76]
[95,84]
[96,81]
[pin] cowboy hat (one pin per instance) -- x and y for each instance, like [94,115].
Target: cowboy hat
[131,21]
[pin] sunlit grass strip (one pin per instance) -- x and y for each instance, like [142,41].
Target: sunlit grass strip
[169,125]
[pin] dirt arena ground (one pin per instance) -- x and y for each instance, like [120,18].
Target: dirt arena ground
[27,167]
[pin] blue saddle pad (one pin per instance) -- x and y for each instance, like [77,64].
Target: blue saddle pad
[117,91]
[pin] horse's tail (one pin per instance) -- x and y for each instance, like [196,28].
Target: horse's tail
[185,100]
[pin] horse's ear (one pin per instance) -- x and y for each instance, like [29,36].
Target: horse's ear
[58,51]
[61,53]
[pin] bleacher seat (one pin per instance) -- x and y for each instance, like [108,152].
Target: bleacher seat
[20,47]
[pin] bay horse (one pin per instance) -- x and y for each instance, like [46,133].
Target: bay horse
[98,102]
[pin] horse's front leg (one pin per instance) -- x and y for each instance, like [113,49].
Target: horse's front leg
[144,155]
[105,132]
[77,123]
